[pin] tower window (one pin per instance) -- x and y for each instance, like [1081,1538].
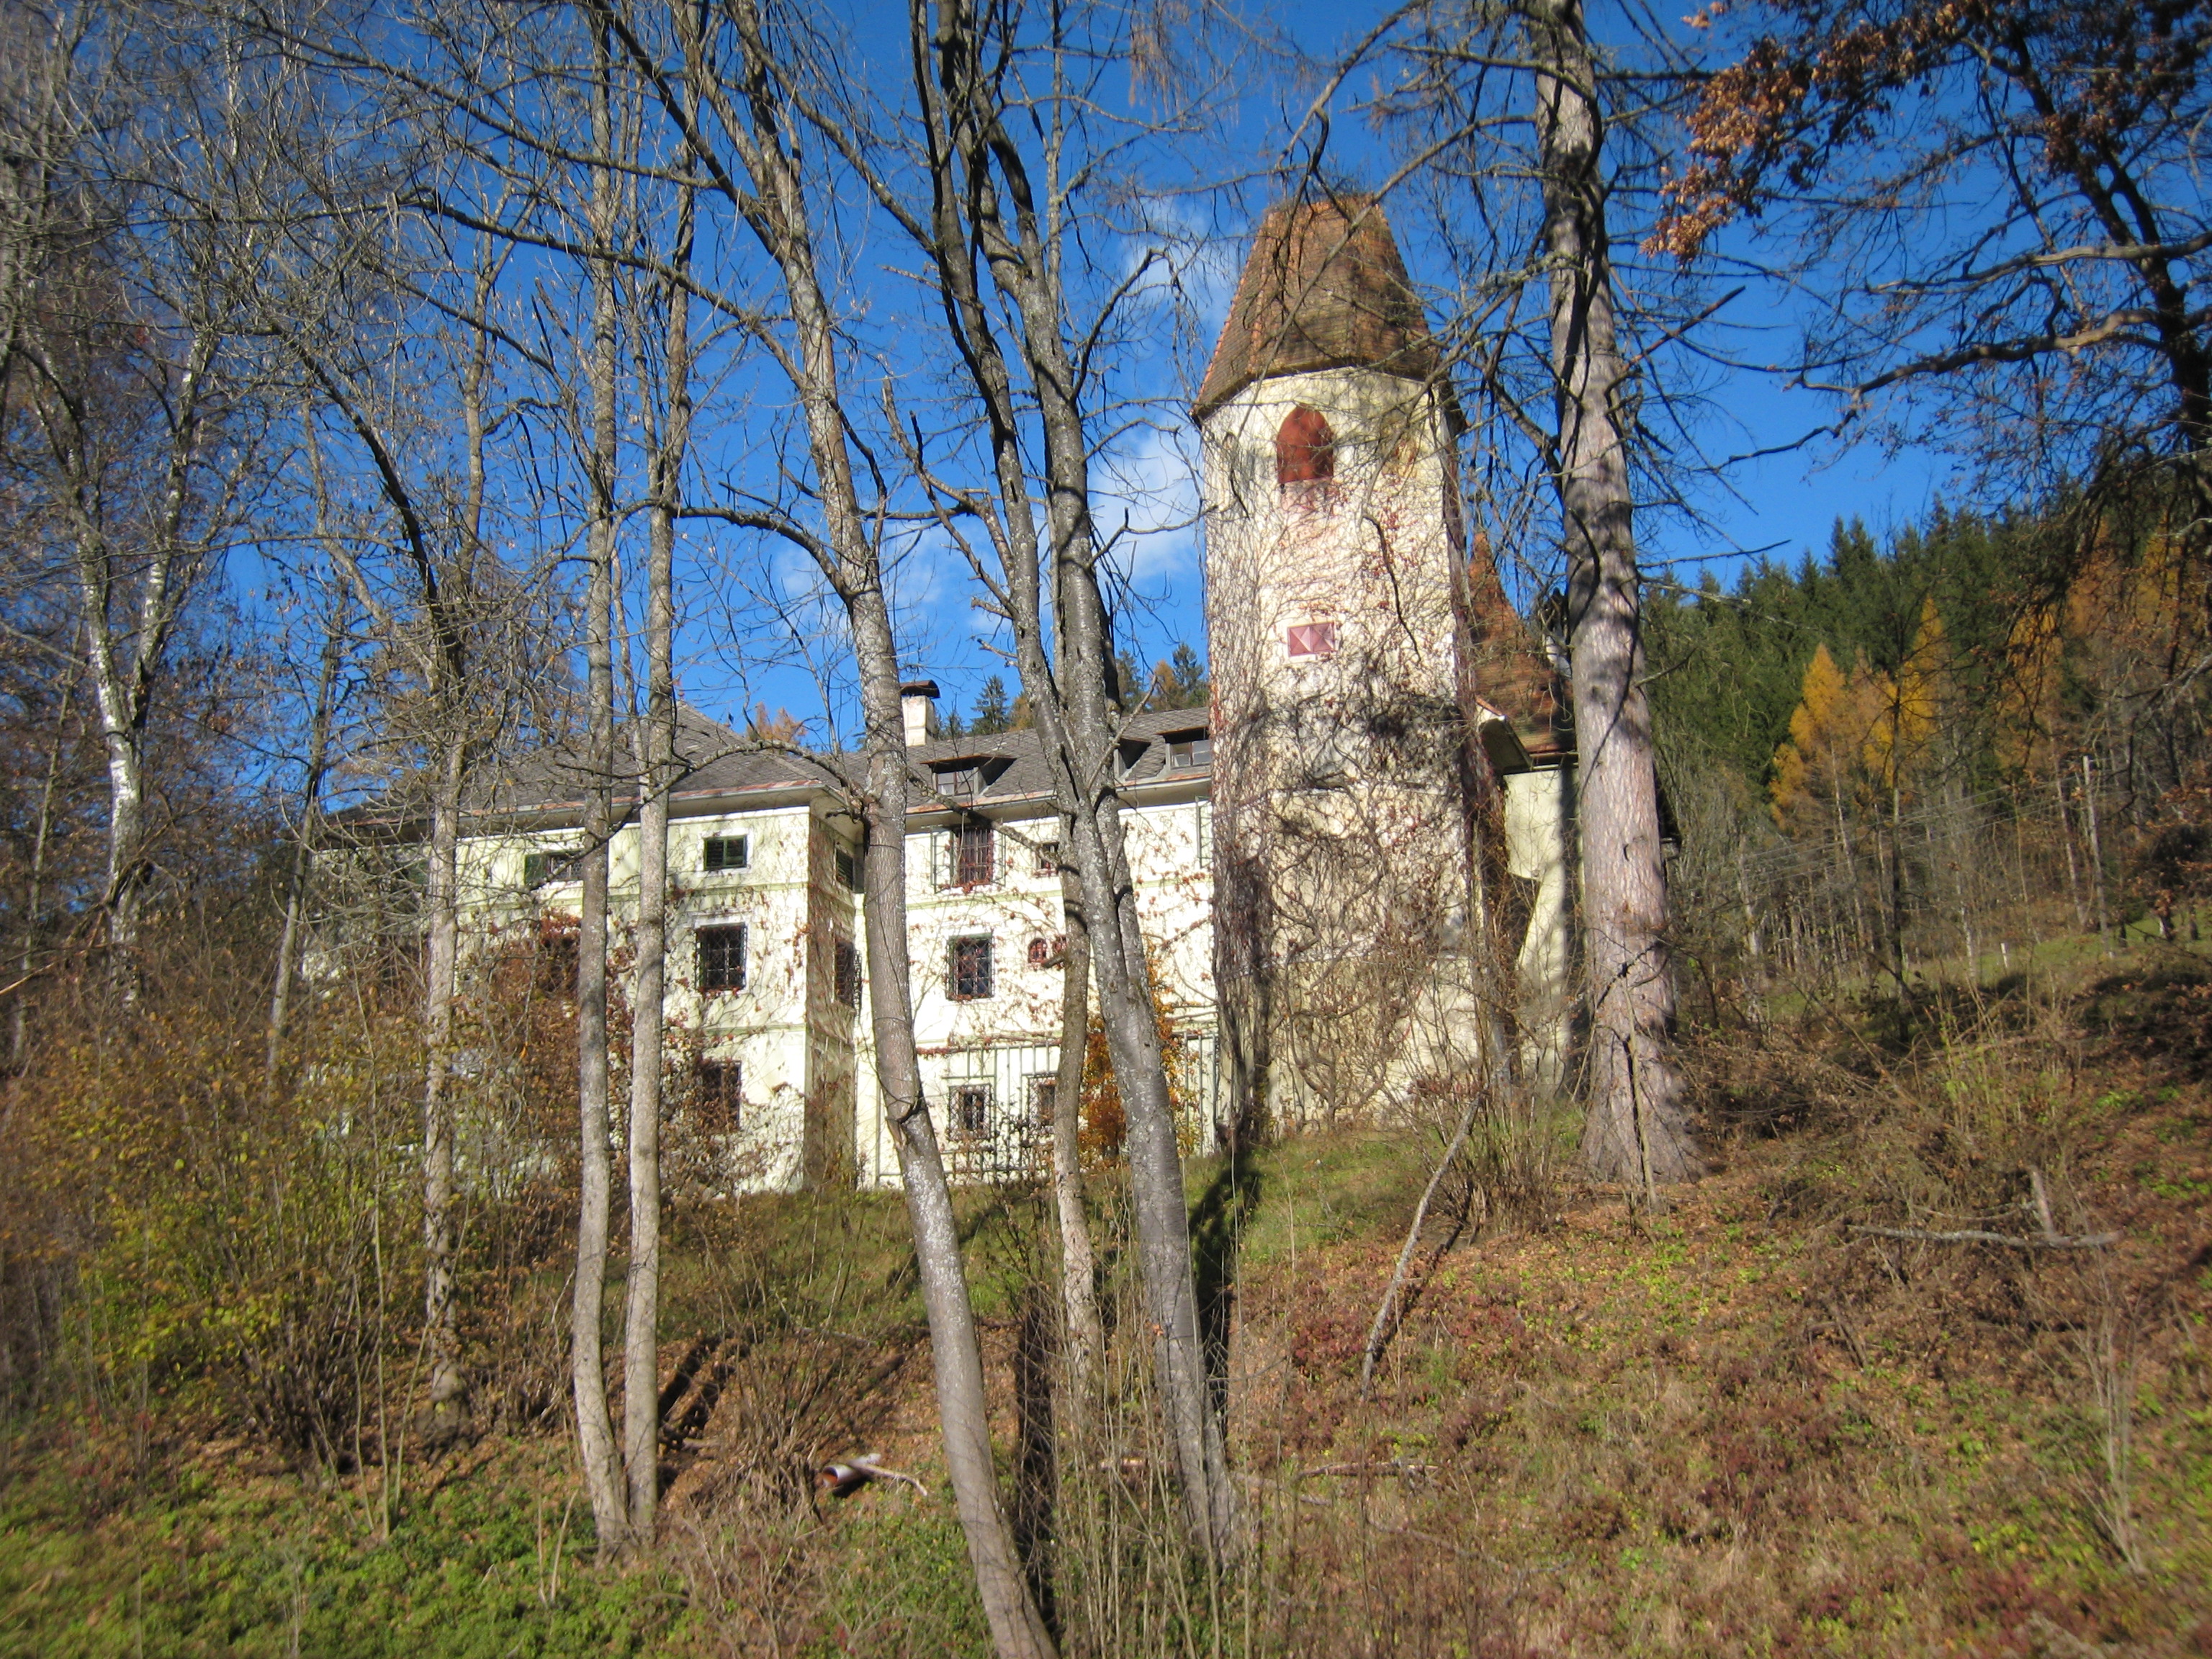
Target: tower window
[849,870]
[728,851]
[846,973]
[1305,448]
[1316,639]
[722,958]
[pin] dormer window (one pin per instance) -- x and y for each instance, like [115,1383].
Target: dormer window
[965,779]
[1128,756]
[1186,749]
[1305,448]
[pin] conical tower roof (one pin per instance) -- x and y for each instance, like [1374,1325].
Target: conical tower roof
[1325,288]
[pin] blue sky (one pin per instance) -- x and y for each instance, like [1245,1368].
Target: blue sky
[1786,504]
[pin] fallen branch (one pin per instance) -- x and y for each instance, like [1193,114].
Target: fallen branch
[1974,1236]
[1379,1333]
[843,1479]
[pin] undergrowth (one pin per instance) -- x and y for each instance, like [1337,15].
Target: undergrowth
[1744,1423]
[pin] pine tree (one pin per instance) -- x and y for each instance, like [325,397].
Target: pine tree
[992,715]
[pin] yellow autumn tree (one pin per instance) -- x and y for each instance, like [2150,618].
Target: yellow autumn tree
[1908,706]
[1818,772]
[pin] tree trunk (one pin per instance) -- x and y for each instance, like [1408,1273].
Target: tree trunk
[1079,1262]
[303,843]
[595,1434]
[19,1031]
[1637,1129]
[442,896]
[648,1019]
[749,107]
[973,154]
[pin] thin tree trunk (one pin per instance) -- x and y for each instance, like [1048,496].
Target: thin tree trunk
[657,768]
[972,154]
[1079,1261]
[2066,840]
[303,843]
[595,1433]
[1637,1129]
[2096,853]
[749,107]
[19,1014]
[440,1306]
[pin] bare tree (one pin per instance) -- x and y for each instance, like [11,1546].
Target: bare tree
[987,198]
[121,349]
[1638,1128]
[747,143]
[657,770]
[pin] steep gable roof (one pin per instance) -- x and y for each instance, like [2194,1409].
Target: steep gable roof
[1324,287]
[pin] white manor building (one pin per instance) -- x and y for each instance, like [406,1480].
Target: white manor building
[1340,580]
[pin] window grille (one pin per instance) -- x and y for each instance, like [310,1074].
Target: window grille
[847,973]
[849,870]
[971,1110]
[722,957]
[971,968]
[974,851]
[718,1097]
[728,851]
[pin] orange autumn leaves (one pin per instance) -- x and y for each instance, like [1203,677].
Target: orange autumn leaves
[1863,736]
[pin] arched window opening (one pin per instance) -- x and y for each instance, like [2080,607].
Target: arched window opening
[1305,448]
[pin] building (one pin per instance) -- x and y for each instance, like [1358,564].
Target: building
[1301,850]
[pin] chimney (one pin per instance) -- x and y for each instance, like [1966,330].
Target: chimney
[918,703]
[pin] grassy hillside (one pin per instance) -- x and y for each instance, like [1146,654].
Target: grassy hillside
[1739,1427]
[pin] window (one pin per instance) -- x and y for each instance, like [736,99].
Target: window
[718,1097]
[971,968]
[1315,639]
[1189,748]
[969,776]
[557,956]
[846,975]
[1039,951]
[722,957]
[849,870]
[1044,1090]
[538,869]
[729,852]
[1048,857]
[971,1108]
[1128,756]
[974,854]
[1305,448]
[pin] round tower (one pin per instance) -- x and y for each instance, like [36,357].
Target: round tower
[1334,542]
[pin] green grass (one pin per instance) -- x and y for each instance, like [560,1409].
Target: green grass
[203,1563]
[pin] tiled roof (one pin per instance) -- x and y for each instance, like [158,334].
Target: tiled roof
[1324,287]
[721,763]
